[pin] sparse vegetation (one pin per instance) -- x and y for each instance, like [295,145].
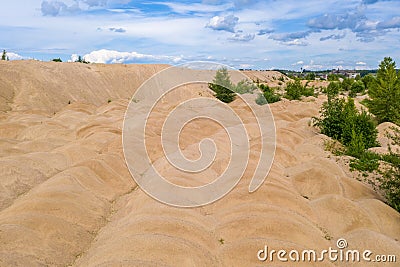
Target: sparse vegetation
[82,60]
[268,95]
[295,90]
[356,131]
[222,86]
[56,60]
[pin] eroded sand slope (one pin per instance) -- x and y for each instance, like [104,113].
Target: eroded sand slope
[67,198]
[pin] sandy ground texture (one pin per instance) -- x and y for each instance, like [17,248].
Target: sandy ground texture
[68,199]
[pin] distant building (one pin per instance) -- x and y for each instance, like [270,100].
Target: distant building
[351,74]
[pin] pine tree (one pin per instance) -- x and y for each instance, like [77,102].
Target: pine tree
[222,86]
[384,92]
[4,55]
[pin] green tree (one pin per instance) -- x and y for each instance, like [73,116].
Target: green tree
[222,86]
[294,90]
[346,84]
[310,76]
[4,55]
[384,93]
[333,90]
[390,182]
[57,60]
[356,87]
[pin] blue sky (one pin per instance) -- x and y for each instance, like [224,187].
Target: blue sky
[291,34]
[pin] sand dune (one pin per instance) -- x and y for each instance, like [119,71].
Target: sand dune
[67,198]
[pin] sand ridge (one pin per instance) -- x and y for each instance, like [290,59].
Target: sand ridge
[67,198]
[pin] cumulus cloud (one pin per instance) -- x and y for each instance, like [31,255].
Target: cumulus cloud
[227,23]
[361,63]
[333,37]
[58,7]
[14,56]
[55,8]
[242,37]
[111,56]
[337,21]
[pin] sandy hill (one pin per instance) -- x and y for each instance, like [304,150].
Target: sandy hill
[67,198]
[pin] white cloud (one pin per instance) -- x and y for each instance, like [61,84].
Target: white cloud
[182,8]
[361,63]
[242,37]
[296,42]
[301,62]
[227,23]
[111,56]
[14,56]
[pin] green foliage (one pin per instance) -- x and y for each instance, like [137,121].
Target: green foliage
[245,86]
[356,87]
[82,60]
[390,181]
[268,95]
[341,121]
[333,77]
[222,86]
[4,55]
[56,60]
[333,89]
[368,80]
[310,76]
[294,90]
[346,84]
[384,93]
[366,162]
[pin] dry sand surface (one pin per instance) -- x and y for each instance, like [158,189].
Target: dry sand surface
[67,198]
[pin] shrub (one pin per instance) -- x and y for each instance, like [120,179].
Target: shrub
[294,90]
[57,60]
[356,87]
[333,89]
[222,86]
[245,86]
[268,95]
[346,84]
[341,121]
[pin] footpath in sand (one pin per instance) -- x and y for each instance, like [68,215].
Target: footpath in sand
[67,198]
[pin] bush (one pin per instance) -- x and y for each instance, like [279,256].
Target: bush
[341,121]
[294,90]
[222,86]
[245,86]
[346,84]
[268,94]
[333,89]
[56,60]
[356,87]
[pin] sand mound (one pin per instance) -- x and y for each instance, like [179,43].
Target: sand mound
[67,198]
